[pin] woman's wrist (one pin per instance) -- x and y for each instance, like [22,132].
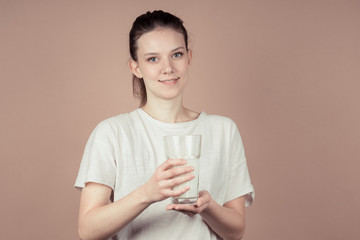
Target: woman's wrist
[143,196]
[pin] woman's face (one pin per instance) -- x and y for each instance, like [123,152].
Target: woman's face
[163,62]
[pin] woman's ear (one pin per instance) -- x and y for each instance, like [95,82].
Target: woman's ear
[134,67]
[190,58]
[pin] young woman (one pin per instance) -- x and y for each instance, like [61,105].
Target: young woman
[125,179]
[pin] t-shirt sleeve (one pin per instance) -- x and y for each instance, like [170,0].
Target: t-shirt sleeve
[239,183]
[98,163]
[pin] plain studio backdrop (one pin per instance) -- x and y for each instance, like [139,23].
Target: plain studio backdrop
[287,72]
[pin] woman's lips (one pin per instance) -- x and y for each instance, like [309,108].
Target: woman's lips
[169,81]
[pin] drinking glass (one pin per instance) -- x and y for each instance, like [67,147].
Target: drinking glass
[187,147]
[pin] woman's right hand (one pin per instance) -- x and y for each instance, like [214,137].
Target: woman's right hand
[168,175]
[100,219]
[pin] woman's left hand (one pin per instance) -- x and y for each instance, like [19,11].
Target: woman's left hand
[190,210]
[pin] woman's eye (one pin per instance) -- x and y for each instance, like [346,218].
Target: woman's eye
[178,54]
[152,59]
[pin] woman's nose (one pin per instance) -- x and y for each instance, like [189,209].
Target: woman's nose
[167,66]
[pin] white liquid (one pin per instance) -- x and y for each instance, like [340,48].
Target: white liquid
[192,193]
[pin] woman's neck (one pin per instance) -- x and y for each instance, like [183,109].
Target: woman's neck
[169,111]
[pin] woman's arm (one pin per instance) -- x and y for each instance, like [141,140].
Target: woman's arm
[101,219]
[227,221]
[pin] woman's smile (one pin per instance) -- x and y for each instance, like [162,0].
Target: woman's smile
[171,81]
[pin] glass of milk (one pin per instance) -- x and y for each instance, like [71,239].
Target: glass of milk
[186,147]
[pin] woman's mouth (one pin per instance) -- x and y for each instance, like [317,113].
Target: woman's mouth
[169,81]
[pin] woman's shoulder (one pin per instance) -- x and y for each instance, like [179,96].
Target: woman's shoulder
[214,118]
[222,125]
[116,122]
[220,119]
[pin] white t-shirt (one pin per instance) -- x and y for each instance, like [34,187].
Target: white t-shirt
[124,151]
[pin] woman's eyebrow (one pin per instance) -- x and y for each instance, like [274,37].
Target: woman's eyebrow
[151,53]
[177,49]
[154,53]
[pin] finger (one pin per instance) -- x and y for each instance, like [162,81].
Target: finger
[173,182]
[174,193]
[199,202]
[183,208]
[203,193]
[177,171]
[170,207]
[171,162]
[180,207]
[186,208]
[204,198]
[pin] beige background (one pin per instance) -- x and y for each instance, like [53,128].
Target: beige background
[286,71]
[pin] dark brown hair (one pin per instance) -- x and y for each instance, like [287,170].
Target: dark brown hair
[146,23]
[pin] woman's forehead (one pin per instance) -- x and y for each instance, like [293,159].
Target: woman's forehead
[160,39]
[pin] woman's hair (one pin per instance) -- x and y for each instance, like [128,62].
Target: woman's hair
[146,23]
